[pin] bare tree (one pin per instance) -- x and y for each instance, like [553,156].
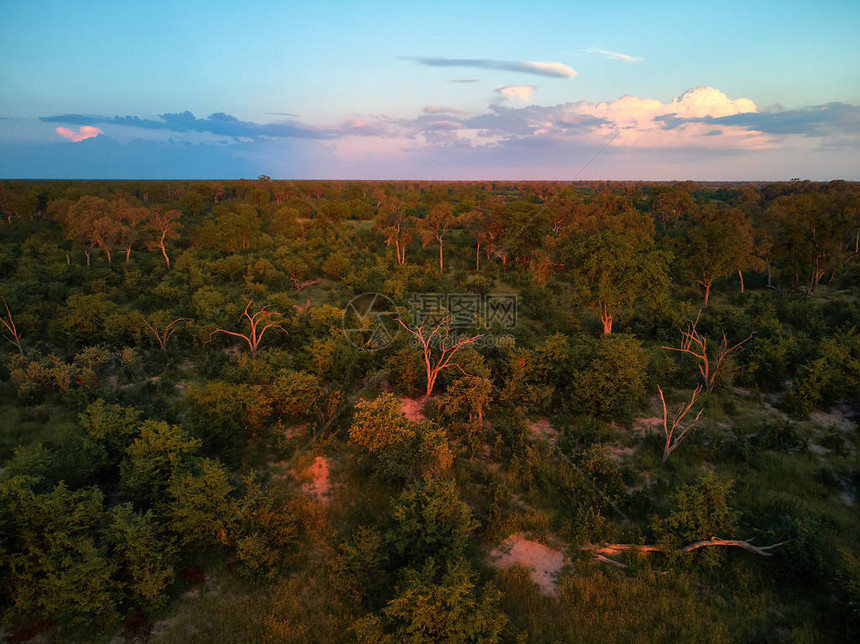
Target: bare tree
[9,323]
[695,344]
[673,435]
[162,331]
[438,346]
[255,336]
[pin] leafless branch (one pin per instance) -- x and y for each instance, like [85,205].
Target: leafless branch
[673,436]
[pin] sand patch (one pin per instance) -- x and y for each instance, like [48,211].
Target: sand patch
[840,417]
[320,484]
[644,425]
[542,429]
[413,409]
[617,453]
[544,563]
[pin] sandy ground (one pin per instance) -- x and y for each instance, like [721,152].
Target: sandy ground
[542,429]
[413,409]
[646,424]
[544,563]
[617,453]
[320,485]
[839,417]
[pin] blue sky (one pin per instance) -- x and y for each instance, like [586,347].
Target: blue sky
[455,90]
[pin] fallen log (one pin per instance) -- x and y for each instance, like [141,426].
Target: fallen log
[612,549]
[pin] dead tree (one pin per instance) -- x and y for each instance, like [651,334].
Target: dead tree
[9,324]
[162,335]
[438,346]
[675,433]
[695,344]
[259,322]
[603,552]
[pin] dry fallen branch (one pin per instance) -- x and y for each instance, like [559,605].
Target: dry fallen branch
[299,286]
[614,549]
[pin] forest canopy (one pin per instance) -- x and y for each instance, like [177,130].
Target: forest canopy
[429,411]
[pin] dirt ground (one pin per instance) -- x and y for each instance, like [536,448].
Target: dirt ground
[320,485]
[544,563]
[413,409]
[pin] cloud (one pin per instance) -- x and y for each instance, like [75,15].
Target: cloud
[433,109]
[218,123]
[831,119]
[85,132]
[554,70]
[463,80]
[521,92]
[614,55]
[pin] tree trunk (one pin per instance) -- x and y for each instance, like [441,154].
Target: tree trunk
[478,259]
[707,292]
[606,319]
[441,265]
[164,252]
[741,274]
[87,253]
[107,252]
[128,253]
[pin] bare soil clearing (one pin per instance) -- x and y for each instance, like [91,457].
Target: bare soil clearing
[542,429]
[320,485]
[413,409]
[544,563]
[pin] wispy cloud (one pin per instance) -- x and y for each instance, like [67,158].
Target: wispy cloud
[83,133]
[521,92]
[551,69]
[463,80]
[435,109]
[218,123]
[615,55]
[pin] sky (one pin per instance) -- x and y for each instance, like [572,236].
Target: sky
[751,90]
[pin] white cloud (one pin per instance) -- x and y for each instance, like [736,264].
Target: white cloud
[521,92]
[615,55]
[550,69]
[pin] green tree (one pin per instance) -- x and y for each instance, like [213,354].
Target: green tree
[433,608]
[379,424]
[613,268]
[153,457]
[144,555]
[435,226]
[430,521]
[199,507]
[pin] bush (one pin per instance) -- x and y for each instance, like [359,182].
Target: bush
[614,379]
[430,521]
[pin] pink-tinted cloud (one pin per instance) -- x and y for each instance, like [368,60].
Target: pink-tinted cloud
[85,132]
[521,92]
[435,109]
